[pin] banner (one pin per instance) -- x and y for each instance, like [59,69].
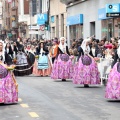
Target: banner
[9,1]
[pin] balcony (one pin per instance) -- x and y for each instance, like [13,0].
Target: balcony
[67,2]
[13,13]
[23,18]
[14,8]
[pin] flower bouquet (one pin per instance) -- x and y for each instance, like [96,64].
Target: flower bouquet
[11,67]
[97,59]
[14,60]
[36,56]
[71,57]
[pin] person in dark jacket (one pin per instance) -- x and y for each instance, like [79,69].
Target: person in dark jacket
[8,50]
[80,50]
[42,49]
[42,66]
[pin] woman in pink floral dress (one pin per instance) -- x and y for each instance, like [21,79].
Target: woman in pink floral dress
[8,85]
[113,85]
[62,67]
[86,70]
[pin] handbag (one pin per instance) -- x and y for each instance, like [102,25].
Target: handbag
[64,57]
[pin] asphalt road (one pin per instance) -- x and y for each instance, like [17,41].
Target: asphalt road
[41,98]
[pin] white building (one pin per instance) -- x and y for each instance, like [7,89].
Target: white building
[23,17]
[38,7]
[88,17]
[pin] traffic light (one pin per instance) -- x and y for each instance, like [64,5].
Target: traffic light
[46,25]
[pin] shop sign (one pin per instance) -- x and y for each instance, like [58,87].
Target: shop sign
[74,20]
[33,32]
[102,14]
[112,10]
[42,27]
[34,27]
[112,14]
[41,19]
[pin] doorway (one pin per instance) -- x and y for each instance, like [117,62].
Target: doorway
[119,30]
[110,31]
[92,28]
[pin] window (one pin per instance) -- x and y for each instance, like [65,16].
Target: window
[119,30]
[5,5]
[13,3]
[62,24]
[52,19]
[57,26]
[26,7]
[40,6]
[34,7]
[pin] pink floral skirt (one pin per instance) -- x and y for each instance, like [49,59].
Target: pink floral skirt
[86,74]
[113,84]
[8,89]
[62,69]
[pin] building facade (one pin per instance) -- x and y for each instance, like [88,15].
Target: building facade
[23,18]
[57,19]
[10,19]
[38,8]
[84,21]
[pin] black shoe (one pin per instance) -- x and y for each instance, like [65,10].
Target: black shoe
[86,85]
[63,79]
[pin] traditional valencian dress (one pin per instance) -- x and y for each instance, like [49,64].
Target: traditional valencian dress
[105,64]
[86,70]
[113,85]
[8,85]
[62,67]
[24,65]
[42,65]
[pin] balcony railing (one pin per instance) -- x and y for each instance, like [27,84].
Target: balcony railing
[67,2]
[14,8]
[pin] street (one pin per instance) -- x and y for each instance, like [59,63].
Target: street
[41,98]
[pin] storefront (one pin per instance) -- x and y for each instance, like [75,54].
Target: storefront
[110,21]
[75,26]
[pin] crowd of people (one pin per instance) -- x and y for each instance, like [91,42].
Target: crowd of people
[80,62]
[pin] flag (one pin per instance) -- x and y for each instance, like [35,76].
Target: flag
[9,1]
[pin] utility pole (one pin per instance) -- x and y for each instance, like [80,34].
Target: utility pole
[38,12]
[30,9]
